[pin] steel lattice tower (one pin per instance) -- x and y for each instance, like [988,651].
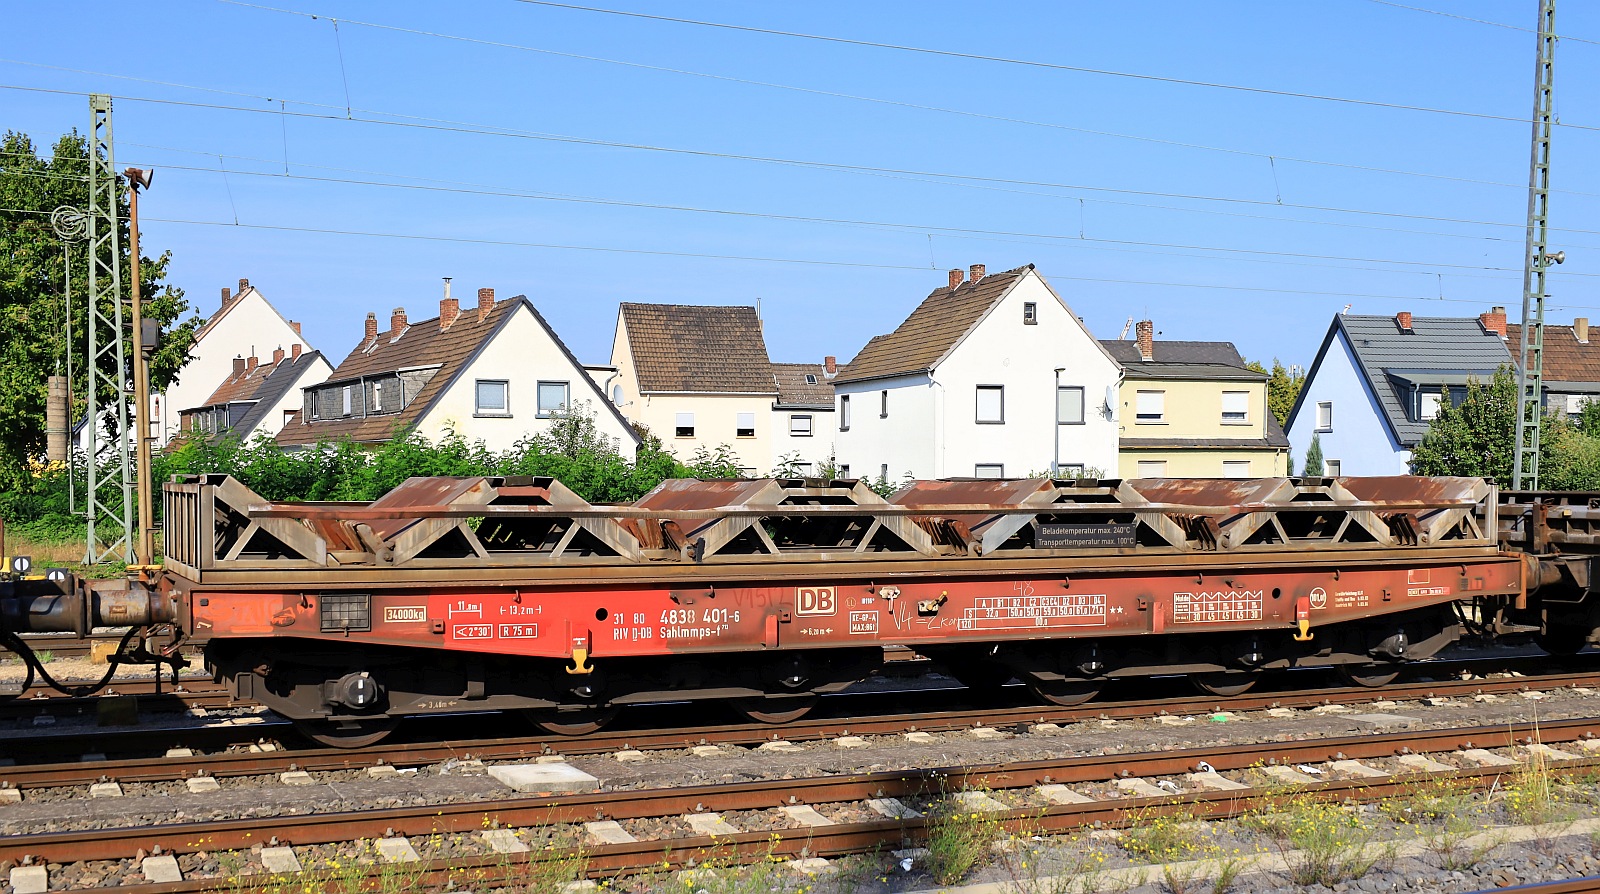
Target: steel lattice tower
[109,491]
[1530,375]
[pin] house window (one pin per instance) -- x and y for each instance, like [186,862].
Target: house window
[1236,468]
[747,472]
[1152,468]
[1325,415]
[883,405]
[1235,407]
[1427,404]
[989,470]
[801,470]
[685,426]
[883,472]
[811,379]
[1150,406]
[1030,313]
[377,397]
[800,426]
[844,412]
[991,404]
[745,425]
[1069,405]
[844,470]
[346,400]
[491,399]
[1330,468]
[552,398]
[287,415]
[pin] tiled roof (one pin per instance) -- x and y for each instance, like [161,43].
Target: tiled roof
[1218,353]
[1190,443]
[697,348]
[1445,346]
[932,329]
[285,375]
[1565,359]
[420,344]
[795,391]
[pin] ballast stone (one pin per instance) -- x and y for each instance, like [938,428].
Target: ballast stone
[544,778]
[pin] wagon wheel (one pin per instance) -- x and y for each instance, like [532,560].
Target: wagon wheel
[982,677]
[350,733]
[1369,675]
[578,722]
[778,709]
[1225,683]
[1563,640]
[1065,693]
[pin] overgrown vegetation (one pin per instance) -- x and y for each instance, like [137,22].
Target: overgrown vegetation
[1477,439]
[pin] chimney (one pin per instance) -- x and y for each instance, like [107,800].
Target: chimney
[277,356]
[397,320]
[294,351]
[372,327]
[1494,321]
[252,363]
[485,302]
[227,295]
[977,273]
[830,366]
[955,277]
[1403,318]
[1145,335]
[244,286]
[1580,329]
[238,366]
[295,326]
[449,310]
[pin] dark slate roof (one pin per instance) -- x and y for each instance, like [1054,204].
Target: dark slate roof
[1218,353]
[1445,346]
[697,348]
[277,383]
[1566,360]
[938,323]
[795,391]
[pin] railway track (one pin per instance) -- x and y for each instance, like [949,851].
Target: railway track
[1049,784]
[167,766]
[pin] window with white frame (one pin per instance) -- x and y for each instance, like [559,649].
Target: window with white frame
[1030,313]
[811,378]
[844,412]
[684,426]
[490,399]
[883,472]
[883,405]
[1236,468]
[1235,407]
[844,470]
[745,425]
[1331,468]
[377,397]
[991,404]
[1325,415]
[1150,406]
[1069,405]
[552,398]
[1152,468]
[1427,404]
[800,426]
[989,470]
[346,400]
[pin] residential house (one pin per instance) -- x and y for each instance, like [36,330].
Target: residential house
[803,426]
[245,324]
[492,373]
[1378,381]
[992,376]
[257,398]
[698,377]
[1192,409]
[1571,368]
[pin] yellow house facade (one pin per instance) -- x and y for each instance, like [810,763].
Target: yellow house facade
[1193,410]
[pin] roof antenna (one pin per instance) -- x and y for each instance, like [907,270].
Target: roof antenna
[1345,311]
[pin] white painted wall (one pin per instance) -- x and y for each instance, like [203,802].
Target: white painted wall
[815,449]
[524,354]
[932,429]
[251,324]
[315,373]
[1360,438]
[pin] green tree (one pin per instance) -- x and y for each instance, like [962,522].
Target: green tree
[1283,387]
[1313,467]
[34,331]
[1477,439]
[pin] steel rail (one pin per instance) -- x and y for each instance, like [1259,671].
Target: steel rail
[238,764]
[109,844]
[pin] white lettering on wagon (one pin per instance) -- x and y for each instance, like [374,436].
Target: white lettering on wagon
[1022,612]
[519,631]
[473,631]
[1216,606]
[404,614]
[1427,591]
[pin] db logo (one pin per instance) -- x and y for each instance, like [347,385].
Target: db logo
[816,600]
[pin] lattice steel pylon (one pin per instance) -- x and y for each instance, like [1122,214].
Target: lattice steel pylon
[1530,374]
[109,486]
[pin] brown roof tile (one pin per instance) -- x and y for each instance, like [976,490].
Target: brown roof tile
[698,348]
[240,386]
[420,344]
[795,391]
[1565,359]
[932,329]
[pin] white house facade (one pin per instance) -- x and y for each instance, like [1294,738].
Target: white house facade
[968,386]
[804,427]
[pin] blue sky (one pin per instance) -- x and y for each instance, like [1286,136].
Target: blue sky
[1220,213]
